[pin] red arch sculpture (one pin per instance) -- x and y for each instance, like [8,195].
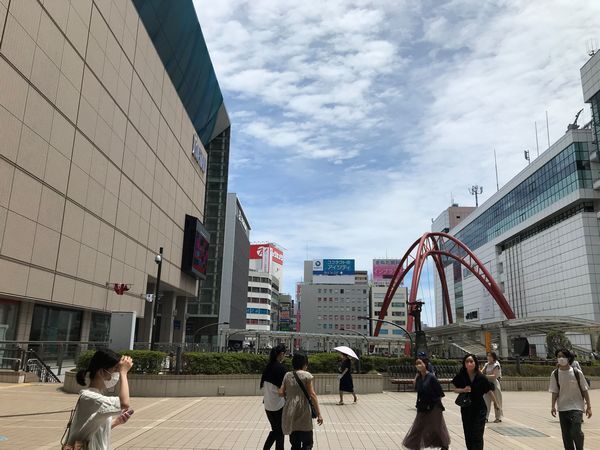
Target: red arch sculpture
[438,245]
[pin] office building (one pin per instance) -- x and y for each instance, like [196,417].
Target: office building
[331,299]
[383,271]
[103,155]
[539,235]
[264,279]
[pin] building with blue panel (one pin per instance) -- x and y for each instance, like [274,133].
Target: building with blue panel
[539,235]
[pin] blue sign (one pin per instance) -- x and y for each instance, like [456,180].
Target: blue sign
[333,267]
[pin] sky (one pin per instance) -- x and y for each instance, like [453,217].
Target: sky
[354,123]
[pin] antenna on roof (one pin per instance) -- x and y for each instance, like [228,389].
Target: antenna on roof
[591,47]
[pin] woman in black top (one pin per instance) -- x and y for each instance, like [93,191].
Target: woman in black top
[346,384]
[270,382]
[429,428]
[469,380]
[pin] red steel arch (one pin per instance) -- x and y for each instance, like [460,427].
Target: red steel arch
[438,245]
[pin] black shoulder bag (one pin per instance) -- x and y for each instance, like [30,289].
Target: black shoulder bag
[313,411]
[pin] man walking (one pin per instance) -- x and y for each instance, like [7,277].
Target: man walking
[569,390]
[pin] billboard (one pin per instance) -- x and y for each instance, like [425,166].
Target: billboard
[270,256]
[383,269]
[196,241]
[333,267]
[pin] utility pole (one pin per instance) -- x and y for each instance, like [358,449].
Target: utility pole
[476,190]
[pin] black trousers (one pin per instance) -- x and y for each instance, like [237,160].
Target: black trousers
[473,420]
[276,435]
[301,440]
[570,425]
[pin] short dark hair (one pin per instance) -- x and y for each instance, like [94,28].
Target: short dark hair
[299,360]
[493,355]
[567,354]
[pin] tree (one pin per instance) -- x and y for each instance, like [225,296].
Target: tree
[555,340]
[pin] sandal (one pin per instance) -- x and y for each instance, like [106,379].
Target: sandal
[340,403]
[497,420]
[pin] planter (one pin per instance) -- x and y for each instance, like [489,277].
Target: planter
[11,376]
[229,385]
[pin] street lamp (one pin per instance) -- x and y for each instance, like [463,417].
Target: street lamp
[374,319]
[206,326]
[158,260]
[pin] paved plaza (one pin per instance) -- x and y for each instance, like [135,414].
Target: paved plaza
[34,416]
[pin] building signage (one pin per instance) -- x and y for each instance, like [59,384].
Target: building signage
[383,269]
[198,153]
[333,267]
[196,240]
[267,253]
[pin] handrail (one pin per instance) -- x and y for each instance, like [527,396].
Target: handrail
[45,366]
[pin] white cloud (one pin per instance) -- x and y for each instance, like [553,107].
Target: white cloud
[411,98]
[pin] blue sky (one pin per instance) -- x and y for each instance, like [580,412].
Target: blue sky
[355,122]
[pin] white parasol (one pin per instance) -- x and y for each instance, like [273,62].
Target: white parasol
[346,351]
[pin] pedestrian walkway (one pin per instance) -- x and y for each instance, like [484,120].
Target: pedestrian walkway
[34,416]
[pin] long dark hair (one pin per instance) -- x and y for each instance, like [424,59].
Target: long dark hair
[104,358]
[299,360]
[463,368]
[269,374]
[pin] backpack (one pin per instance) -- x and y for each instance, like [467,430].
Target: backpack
[576,372]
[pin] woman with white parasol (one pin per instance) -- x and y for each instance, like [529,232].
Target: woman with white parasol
[346,384]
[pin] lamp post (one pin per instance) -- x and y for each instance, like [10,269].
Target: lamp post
[374,319]
[207,326]
[158,261]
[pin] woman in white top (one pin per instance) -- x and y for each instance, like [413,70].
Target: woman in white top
[95,413]
[270,382]
[493,372]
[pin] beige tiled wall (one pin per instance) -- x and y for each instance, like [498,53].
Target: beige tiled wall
[96,170]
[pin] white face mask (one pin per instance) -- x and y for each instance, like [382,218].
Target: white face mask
[563,361]
[114,379]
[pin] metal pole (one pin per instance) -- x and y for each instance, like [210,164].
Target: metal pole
[158,260]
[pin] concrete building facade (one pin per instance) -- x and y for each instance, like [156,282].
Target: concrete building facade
[332,307]
[102,155]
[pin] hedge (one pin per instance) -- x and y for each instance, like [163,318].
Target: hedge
[149,362]
[144,361]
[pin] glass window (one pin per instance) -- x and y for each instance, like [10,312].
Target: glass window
[8,319]
[55,324]
[99,327]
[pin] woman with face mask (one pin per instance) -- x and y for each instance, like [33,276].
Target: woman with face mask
[470,381]
[96,413]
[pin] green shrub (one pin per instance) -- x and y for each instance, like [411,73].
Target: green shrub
[144,361]
[223,363]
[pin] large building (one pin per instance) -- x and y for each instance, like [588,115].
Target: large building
[383,271]
[539,235]
[331,298]
[264,278]
[107,111]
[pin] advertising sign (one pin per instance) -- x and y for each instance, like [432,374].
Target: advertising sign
[198,153]
[269,254]
[333,267]
[196,240]
[383,269]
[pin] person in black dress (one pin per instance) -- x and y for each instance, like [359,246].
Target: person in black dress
[429,428]
[469,380]
[346,384]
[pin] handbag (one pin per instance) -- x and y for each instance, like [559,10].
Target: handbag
[77,445]
[313,411]
[463,400]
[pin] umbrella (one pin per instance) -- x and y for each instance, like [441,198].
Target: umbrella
[346,351]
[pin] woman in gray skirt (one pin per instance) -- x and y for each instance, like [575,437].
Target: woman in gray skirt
[429,428]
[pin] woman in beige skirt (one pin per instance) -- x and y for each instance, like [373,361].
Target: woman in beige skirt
[296,419]
[493,372]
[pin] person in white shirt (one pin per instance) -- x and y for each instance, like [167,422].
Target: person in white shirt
[569,390]
[270,382]
[493,372]
[95,413]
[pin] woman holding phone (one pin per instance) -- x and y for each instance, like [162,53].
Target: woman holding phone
[96,413]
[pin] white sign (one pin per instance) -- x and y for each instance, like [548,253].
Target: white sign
[198,154]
